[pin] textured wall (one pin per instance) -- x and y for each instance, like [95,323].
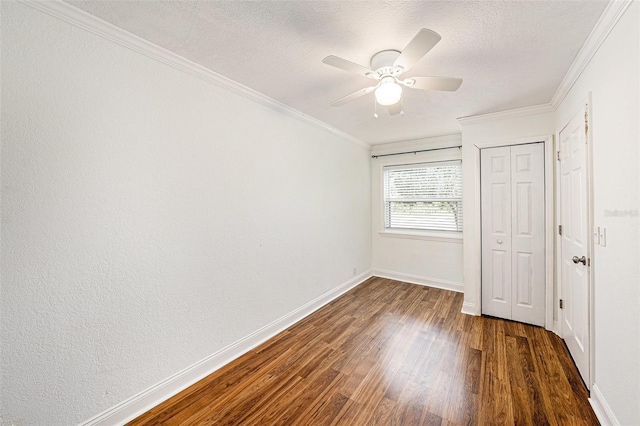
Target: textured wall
[435,261]
[612,79]
[150,219]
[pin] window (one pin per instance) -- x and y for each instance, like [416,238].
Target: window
[425,196]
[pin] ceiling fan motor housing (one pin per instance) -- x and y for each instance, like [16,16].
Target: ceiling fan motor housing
[382,62]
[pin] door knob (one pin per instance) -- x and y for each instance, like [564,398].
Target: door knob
[577,259]
[499,241]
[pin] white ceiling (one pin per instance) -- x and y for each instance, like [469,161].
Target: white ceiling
[510,53]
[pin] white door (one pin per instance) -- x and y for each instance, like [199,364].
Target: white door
[513,262]
[495,178]
[527,234]
[574,272]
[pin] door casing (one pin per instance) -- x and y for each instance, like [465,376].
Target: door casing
[549,214]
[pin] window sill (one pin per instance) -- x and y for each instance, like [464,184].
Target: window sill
[449,237]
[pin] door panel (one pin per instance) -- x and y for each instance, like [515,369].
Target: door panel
[523,280]
[523,208]
[499,193]
[574,286]
[499,279]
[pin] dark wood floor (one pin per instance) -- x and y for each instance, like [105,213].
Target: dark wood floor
[390,353]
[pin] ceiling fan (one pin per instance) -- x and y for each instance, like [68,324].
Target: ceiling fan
[386,68]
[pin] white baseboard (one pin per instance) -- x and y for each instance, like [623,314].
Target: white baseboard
[138,404]
[470,308]
[417,279]
[603,411]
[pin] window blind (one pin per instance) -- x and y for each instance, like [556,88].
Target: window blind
[424,196]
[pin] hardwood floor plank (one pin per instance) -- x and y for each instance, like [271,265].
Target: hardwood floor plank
[461,407]
[412,406]
[315,407]
[523,411]
[476,333]
[431,419]
[383,413]
[472,376]
[347,414]
[391,353]
[329,409]
[307,396]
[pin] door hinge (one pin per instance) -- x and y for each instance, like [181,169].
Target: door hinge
[586,125]
[558,155]
[561,304]
[559,229]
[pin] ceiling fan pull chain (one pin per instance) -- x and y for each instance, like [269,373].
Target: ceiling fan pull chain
[375,108]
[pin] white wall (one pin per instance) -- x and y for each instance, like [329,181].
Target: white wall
[426,260]
[535,123]
[150,219]
[612,79]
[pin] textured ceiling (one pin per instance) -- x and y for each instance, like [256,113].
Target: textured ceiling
[510,53]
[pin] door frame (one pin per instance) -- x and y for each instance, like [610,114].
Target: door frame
[585,105]
[549,214]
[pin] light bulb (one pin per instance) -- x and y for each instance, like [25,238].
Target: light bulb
[388,93]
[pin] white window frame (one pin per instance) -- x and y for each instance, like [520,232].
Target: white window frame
[431,235]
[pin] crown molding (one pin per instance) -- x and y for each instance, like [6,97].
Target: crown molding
[501,115]
[81,19]
[416,144]
[607,21]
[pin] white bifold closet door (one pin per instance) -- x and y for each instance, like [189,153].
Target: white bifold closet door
[513,264]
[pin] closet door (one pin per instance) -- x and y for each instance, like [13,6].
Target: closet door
[527,233]
[512,191]
[495,166]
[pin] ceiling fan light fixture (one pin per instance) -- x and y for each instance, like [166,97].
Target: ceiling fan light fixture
[387,67]
[388,93]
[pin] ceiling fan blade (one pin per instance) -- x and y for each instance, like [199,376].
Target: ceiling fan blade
[422,43]
[396,108]
[433,83]
[353,96]
[343,64]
